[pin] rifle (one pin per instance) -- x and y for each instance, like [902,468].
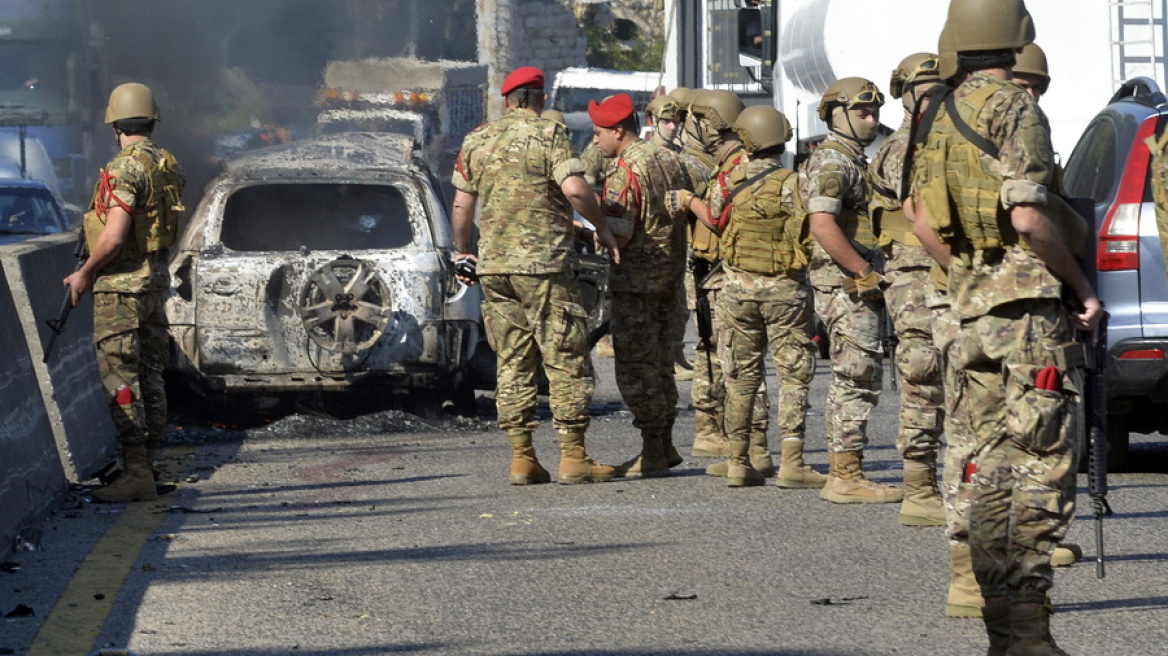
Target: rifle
[890,340]
[701,269]
[1095,401]
[57,325]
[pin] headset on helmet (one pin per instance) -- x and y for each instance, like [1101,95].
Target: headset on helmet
[848,93]
[761,127]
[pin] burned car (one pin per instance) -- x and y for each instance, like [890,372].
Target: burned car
[321,266]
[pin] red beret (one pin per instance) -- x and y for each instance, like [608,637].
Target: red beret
[524,76]
[612,111]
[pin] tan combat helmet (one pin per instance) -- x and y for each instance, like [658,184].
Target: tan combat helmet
[915,69]
[1032,61]
[131,100]
[848,93]
[761,127]
[554,115]
[977,25]
[664,107]
[947,59]
[720,108]
[684,96]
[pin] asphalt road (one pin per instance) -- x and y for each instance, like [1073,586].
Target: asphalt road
[389,534]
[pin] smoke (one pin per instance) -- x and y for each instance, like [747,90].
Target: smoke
[217,65]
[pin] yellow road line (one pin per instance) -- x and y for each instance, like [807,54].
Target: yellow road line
[76,621]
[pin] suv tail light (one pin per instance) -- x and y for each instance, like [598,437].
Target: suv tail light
[1119,245]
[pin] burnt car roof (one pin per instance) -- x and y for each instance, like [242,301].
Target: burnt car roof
[346,152]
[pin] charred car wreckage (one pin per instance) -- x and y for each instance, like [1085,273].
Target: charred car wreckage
[326,266]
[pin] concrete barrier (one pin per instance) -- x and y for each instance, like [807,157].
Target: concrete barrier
[56,423]
[31,478]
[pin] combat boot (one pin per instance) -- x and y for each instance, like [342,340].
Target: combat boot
[1030,631]
[793,473]
[922,504]
[964,599]
[576,466]
[525,468]
[1066,554]
[846,482]
[739,470]
[996,616]
[672,457]
[710,438]
[136,483]
[760,454]
[651,463]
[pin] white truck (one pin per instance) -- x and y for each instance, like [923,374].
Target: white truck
[788,52]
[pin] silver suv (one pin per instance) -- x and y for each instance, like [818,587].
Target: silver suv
[323,266]
[1111,165]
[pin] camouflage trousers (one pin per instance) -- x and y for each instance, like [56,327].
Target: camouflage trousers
[643,332]
[749,328]
[528,316]
[959,444]
[130,333]
[1024,453]
[857,369]
[708,389]
[917,361]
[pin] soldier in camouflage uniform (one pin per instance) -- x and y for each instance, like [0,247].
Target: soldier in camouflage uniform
[835,188]
[763,302]
[644,284]
[131,222]
[964,597]
[1008,263]
[712,114]
[529,179]
[907,264]
[665,112]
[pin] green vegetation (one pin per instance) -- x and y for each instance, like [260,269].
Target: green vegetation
[606,51]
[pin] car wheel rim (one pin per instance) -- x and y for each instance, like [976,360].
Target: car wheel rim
[345,306]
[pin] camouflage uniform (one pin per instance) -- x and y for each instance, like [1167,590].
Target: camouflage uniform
[130,329]
[595,165]
[906,269]
[532,304]
[760,310]
[1012,326]
[1160,187]
[709,388]
[644,284]
[835,180]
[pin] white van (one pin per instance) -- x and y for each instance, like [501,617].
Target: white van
[573,88]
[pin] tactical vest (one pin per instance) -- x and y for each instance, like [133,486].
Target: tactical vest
[154,220]
[962,198]
[894,226]
[855,222]
[762,236]
[704,241]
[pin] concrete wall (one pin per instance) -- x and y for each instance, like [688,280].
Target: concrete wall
[55,425]
[514,33]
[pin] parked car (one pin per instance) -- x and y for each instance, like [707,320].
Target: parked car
[324,266]
[28,208]
[1110,165]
